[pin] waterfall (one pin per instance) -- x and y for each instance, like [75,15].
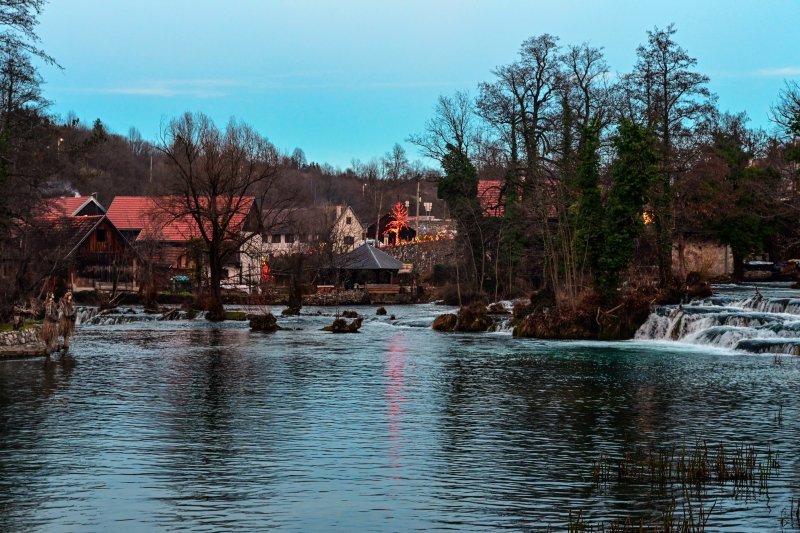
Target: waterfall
[756,324]
[114,318]
[84,314]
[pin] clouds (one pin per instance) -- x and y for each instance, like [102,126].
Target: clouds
[196,88]
[781,72]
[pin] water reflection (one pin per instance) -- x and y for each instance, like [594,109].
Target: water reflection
[395,396]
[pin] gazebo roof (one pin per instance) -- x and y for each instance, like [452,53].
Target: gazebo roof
[367,257]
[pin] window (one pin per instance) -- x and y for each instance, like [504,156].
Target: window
[276,238]
[289,238]
[348,220]
[349,240]
[101,235]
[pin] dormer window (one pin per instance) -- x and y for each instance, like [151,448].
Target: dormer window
[348,220]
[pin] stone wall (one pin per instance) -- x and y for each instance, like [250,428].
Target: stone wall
[424,255]
[709,258]
[21,337]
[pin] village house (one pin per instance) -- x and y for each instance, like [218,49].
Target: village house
[95,253]
[334,226]
[173,242]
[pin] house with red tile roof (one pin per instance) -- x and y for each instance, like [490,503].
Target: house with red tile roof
[94,252]
[73,206]
[161,220]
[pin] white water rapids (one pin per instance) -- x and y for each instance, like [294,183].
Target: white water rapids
[763,322]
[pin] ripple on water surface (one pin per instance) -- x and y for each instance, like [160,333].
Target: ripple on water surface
[187,424]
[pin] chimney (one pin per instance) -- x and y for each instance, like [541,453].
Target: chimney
[338,211]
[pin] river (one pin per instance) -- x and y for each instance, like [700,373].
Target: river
[192,425]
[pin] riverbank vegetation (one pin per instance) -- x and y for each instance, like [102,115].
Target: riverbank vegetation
[605,180]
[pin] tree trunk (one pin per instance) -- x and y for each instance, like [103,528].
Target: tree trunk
[216,311]
[738,266]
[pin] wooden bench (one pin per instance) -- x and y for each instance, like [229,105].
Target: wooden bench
[382,288]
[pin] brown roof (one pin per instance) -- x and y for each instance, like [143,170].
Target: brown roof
[72,231]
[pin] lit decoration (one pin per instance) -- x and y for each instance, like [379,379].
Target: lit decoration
[648,217]
[265,274]
[400,222]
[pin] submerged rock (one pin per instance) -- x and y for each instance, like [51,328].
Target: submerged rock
[350,314]
[266,323]
[446,322]
[472,319]
[381,311]
[292,310]
[497,309]
[340,325]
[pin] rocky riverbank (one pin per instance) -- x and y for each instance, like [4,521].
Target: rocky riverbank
[590,319]
[22,343]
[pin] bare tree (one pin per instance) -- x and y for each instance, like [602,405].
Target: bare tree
[216,176]
[454,122]
[395,163]
[786,112]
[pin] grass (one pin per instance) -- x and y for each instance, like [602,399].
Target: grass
[7,326]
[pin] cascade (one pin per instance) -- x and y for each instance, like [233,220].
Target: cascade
[760,323]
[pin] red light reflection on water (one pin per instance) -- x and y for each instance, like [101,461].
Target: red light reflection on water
[394,371]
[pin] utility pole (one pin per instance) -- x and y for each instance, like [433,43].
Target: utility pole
[416,220]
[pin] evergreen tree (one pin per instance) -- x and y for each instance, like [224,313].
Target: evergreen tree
[633,171]
[589,211]
[459,188]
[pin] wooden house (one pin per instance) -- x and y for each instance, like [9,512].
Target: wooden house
[95,255]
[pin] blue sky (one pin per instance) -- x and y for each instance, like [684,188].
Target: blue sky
[346,79]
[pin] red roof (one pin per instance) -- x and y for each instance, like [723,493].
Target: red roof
[67,206]
[491,198]
[152,217]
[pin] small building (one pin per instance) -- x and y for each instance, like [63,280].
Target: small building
[94,251]
[367,265]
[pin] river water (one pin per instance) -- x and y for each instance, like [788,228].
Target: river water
[192,425]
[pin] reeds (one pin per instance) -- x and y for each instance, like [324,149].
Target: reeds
[682,473]
[697,465]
